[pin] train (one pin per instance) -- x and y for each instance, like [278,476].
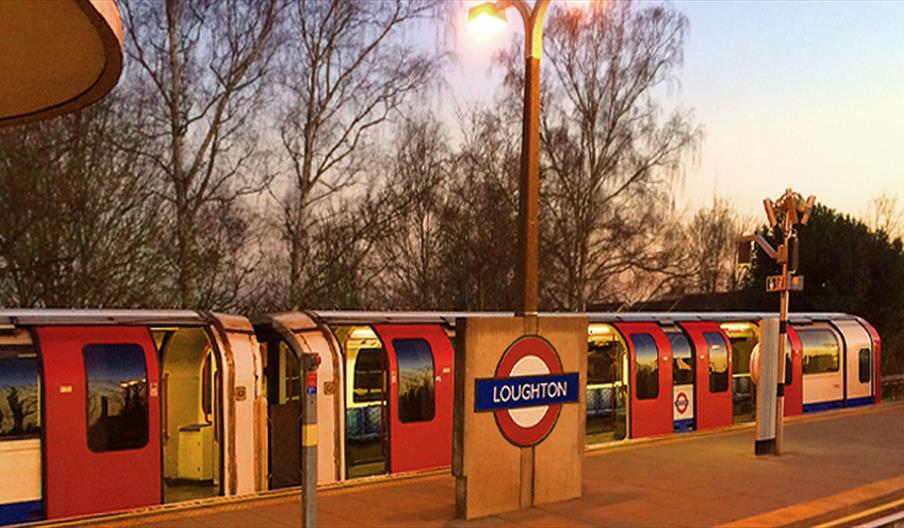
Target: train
[112,410]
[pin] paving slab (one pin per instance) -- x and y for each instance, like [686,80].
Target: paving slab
[833,463]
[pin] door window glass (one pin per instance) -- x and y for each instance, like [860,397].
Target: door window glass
[368,375]
[718,362]
[117,397]
[416,397]
[647,366]
[20,406]
[682,359]
[821,351]
[864,365]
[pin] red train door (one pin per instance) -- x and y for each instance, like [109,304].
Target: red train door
[420,359]
[102,422]
[794,383]
[713,362]
[650,379]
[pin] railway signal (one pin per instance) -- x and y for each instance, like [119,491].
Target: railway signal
[787,211]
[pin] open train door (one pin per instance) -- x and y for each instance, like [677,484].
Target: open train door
[713,373]
[102,419]
[420,360]
[794,382]
[650,378]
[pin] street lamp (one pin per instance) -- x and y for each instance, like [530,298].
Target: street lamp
[527,265]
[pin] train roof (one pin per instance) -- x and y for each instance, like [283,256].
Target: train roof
[310,319]
[448,318]
[40,316]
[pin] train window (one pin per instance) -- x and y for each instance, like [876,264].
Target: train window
[864,365]
[290,373]
[369,375]
[821,351]
[718,362]
[682,359]
[117,397]
[416,397]
[647,366]
[20,393]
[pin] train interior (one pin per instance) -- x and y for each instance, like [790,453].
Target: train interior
[607,375]
[190,381]
[366,401]
[283,389]
[743,337]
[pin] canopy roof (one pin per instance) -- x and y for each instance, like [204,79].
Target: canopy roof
[56,56]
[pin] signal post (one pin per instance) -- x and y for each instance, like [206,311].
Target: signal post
[787,211]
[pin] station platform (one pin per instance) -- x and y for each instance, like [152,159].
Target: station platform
[842,468]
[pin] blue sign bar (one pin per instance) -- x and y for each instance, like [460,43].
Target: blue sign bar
[494,394]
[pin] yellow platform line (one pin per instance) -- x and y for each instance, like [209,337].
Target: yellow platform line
[862,514]
[800,512]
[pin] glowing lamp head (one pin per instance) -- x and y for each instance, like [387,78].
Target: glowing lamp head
[486,18]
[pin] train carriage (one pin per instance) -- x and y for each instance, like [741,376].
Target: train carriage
[112,410]
[386,380]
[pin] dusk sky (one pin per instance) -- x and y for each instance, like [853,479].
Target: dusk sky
[808,95]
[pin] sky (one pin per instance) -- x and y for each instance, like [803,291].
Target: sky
[802,94]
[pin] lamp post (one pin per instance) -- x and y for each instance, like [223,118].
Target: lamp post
[527,265]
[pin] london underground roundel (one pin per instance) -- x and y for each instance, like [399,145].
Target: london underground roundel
[527,392]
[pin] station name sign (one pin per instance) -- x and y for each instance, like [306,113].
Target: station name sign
[494,394]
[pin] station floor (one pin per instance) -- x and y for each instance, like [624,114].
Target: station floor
[839,469]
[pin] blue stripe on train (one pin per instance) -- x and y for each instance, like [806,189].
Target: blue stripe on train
[838,404]
[20,512]
[684,426]
[823,406]
[857,402]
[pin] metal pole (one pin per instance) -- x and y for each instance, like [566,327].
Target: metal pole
[528,261]
[527,269]
[310,362]
[782,334]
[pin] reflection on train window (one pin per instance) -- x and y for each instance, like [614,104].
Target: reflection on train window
[718,362]
[117,397]
[682,359]
[416,397]
[369,375]
[821,351]
[864,365]
[789,367]
[601,360]
[20,404]
[647,366]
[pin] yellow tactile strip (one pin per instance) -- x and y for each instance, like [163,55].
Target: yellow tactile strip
[797,513]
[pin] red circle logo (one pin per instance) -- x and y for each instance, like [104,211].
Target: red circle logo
[528,356]
[681,402]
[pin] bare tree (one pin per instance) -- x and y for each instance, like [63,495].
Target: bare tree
[346,70]
[202,63]
[411,250]
[884,214]
[609,155]
[479,217]
[80,223]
